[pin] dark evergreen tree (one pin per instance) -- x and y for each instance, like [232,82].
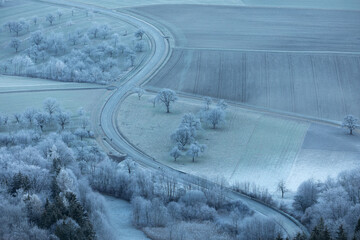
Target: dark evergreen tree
[300,236]
[357,228]
[19,181]
[320,231]
[341,234]
[279,237]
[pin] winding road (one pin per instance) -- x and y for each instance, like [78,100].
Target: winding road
[160,52]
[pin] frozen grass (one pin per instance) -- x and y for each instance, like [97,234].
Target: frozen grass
[70,100]
[119,212]
[15,83]
[324,4]
[250,147]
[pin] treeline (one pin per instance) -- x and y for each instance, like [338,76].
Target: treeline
[44,190]
[330,209]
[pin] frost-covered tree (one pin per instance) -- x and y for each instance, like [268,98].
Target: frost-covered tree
[139,34]
[190,121]
[17,27]
[306,195]
[29,115]
[208,101]
[175,153]
[59,13]
[41,120]
[63,119]
[139,91]
[222,104]
[15,44]
[115,39]
[94,31]
[182,136]
[37,38]
[50,18]
[139,47]
[105,31]
[51,106]
[195,150]
[351,123]
[166,97]
[215,117]
[35,20]
[85,39]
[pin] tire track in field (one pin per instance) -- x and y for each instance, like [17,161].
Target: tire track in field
[196,82]
[171,68]
[336,63]
[292,87]
[315,87]
[267,85]
[220,76]
[246,144]
[243,90]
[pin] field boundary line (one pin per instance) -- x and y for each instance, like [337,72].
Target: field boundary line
[268,50]
[257,109]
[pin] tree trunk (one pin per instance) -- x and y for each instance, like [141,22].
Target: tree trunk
[167,109]
[193,159]
[350,131]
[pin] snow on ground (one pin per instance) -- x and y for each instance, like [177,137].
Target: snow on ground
[119,212]
[69,100]
[318,85]
[251,147]
[323,4]
[15,83]
[326,151]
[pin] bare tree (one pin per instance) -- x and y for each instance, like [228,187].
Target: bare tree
[175,153]
[282,188]
[139,34]
[17,118]
[166,97]
[50,18]
[15,43]
[51,106]
[215,117]
[351,123]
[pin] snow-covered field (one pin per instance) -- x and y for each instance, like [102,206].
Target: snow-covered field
[251,146]
[252,28]
[293,60]
[119,212]
[71,100]
[322,4]
[323,86]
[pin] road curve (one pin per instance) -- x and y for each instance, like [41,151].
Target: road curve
[160,48]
